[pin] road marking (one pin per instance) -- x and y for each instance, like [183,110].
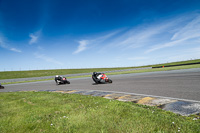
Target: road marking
[145,100]
[71,91]
[145,95]
[124,97]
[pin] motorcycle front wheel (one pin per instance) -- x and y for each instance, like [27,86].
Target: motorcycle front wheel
[67,82]
[109,81]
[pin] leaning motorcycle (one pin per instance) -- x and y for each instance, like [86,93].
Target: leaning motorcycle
[1,87]
[101,78]
[61,80]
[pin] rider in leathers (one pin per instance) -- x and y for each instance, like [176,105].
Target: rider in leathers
[1,87]
[97,77]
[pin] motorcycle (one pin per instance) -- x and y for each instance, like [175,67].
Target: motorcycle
[1,87]
[61,80]
[99,78]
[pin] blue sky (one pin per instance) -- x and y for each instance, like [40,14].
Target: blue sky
[58,34]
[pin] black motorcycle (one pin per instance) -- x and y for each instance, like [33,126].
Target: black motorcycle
[1,87]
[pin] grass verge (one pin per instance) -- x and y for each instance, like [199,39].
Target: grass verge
[57,112]
[178,63]
[42,73]
[158,69]
[124,72]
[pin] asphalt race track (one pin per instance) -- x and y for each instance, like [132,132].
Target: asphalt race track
[181,84]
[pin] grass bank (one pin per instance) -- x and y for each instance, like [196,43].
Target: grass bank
[124,72]
[42,73]
[158,69]
[177,63]
[57,112]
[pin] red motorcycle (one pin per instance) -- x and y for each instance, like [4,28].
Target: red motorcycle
[100,78]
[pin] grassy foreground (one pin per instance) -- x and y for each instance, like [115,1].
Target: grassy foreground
[57,112]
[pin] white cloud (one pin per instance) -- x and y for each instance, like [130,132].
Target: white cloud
[47,59]
[147,38]
[16,50]
[82,46]
[33,37]
[85,44]
[6,46]
[169,44]
[140,37]
[191,30]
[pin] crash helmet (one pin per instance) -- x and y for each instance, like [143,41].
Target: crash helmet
[56,75]
[94,73]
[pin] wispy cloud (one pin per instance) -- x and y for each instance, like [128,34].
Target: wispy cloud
[165,45]
[191,30]
[138,37]
[177,31]
[82,46]
[34,37]
[85,44]
[46,58]
[6,46]
[15,50]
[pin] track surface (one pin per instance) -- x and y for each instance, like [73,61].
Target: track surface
[182,84]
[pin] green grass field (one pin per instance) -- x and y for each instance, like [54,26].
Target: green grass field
[57,112]
[42,73]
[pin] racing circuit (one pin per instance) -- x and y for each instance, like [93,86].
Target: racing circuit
[176,84]
[182,84]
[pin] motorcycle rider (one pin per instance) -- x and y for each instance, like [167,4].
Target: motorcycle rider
[97,77]
[61,80]
[1,87]
[58,78]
